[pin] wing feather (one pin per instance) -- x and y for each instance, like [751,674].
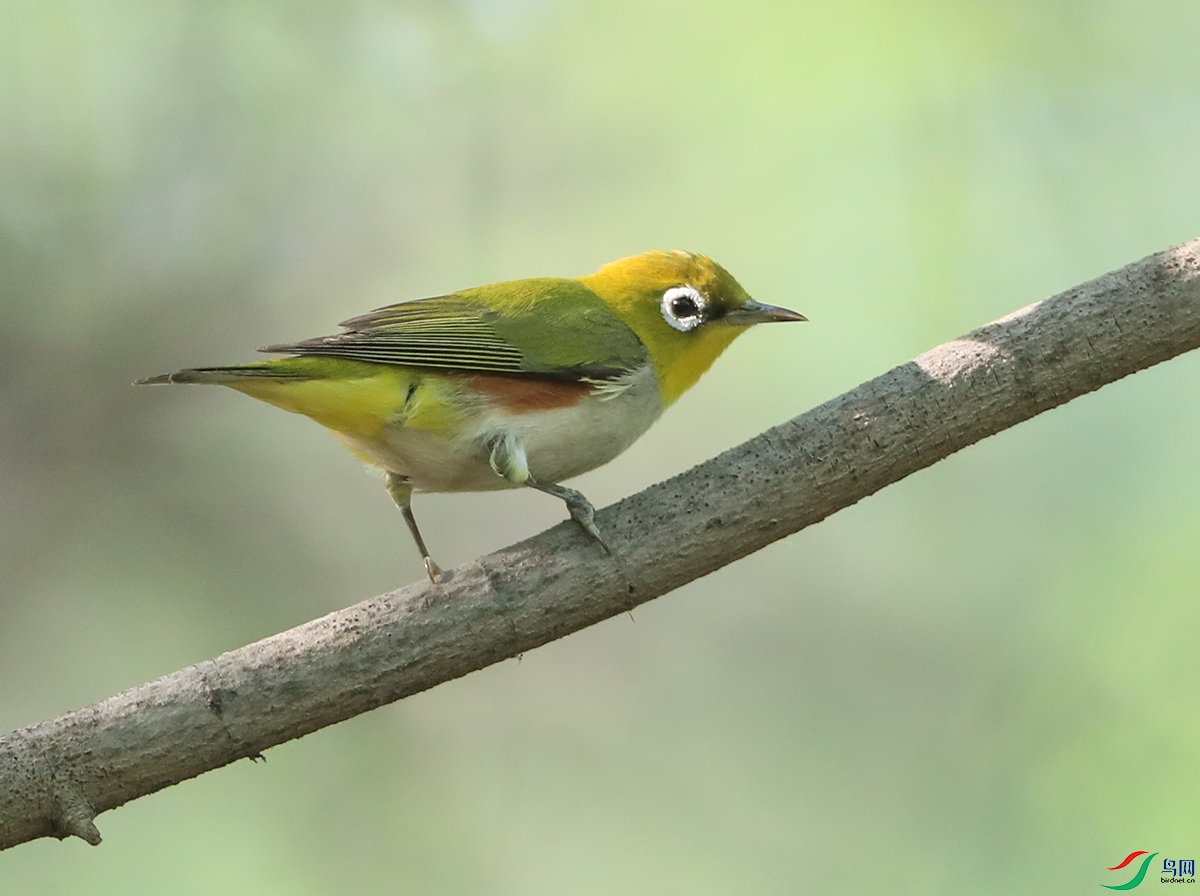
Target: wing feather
[557,329]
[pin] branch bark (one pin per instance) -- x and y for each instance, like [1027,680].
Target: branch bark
[56,776]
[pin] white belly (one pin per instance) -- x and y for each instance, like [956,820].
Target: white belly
[558,443]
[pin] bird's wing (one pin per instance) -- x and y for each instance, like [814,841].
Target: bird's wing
[550,328]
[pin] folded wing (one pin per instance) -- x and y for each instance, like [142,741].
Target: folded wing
[545,328]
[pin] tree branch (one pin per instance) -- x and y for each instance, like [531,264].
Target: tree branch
[57,775]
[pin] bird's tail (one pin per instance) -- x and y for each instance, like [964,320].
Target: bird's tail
[353,398]
[279,369]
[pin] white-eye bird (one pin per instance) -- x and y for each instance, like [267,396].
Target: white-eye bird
[520,383]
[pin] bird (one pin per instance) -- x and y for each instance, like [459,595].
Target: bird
[521,383]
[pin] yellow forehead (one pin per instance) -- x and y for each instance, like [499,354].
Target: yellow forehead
[653,272]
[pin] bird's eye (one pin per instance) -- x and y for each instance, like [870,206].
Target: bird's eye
[683,308]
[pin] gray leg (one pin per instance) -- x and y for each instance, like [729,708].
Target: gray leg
[508,460]
[401,491]
[580,508]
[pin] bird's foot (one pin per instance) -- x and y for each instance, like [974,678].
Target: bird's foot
[582,512]
[432,569]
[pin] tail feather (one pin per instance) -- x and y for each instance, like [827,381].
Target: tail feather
[266,370]
[353,398]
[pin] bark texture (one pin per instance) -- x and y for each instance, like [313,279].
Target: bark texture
[56,776]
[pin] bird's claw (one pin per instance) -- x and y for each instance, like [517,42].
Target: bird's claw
[432,569]
[582,512]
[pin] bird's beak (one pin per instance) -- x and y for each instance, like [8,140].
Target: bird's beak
[753,312]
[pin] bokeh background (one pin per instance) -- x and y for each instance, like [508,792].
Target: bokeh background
[982,680]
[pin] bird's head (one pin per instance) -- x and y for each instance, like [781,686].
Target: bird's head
[685,308]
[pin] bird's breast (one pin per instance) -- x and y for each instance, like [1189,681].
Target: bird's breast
[565,428]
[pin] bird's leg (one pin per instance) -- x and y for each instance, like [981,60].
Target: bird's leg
[401,491]
[580,508]
[508,460]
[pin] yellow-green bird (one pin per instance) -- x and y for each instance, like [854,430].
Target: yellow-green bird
[521,383]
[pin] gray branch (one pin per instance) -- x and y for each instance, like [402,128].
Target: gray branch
[56,776]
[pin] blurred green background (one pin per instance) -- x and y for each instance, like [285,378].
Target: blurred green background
[982,680]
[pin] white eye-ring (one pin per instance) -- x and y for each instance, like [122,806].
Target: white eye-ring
[683,308]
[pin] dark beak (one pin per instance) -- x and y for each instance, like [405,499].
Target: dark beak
[753,312]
